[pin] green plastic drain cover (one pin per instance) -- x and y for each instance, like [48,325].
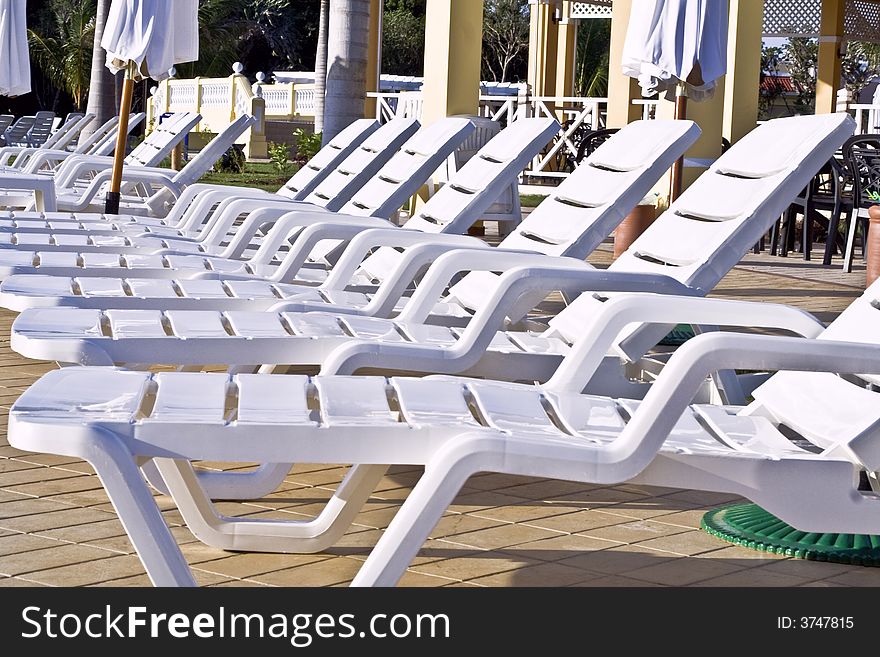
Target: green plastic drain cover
[748,525]
[678,336]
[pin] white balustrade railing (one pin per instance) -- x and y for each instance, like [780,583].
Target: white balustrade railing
[867,117]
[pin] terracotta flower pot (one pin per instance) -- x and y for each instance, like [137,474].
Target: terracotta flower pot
[872,245]
[633,225]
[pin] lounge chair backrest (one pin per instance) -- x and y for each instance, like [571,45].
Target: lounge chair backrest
[829,411]
[709,228]
[16,134]
[107,144]
[409,168]
[202,163]
[474,187]
[328,158]
[362,164]
[578,214]
[162,140]
[5,121]
[41,129]
[68,132]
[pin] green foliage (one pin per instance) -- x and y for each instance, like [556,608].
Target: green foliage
[307,145]
[61,46]
[279,157]
[802,56]
[232,161]
[593,45]
[403,41]
[771,58]
[505,39]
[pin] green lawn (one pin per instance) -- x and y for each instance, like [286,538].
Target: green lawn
[255,174]
[265,176]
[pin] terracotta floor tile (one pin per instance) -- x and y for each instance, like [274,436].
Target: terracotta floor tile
[577,522]
[320,573]
[681,571]
[454,524]
[54,554]
[754,577]
[687,543]
[14,582]
[18,543]
[474,565]
[634,531]
[502,536]
[617,581]
[248,565]
[620,560]
[858,577]
[26,506]
[50,520]
[545,574]
[561,547]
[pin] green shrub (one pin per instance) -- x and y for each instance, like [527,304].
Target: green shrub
[279,156]
[307,144]
[232,161]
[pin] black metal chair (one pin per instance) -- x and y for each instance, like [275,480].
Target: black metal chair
[862,156]
[830,190]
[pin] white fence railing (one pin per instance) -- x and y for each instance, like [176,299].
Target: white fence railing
[867,117]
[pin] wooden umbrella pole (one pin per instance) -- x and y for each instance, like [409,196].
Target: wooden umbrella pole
[681,100]
[111,202]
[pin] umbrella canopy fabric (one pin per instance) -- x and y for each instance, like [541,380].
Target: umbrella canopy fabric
[15,65]
[672,41]
[154,34]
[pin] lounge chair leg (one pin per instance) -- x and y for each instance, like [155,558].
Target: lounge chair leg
[418,515]
[303,536]
[228,485]
[136,508]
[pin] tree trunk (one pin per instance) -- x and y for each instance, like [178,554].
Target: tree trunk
[321,66]
[346,64]
[102,86]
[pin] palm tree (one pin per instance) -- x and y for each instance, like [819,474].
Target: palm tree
[346,64]
[321,66]
[102,84]
[65,57]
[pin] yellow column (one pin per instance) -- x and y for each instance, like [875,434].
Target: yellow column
[566,44]
[622,89]
[743,68]
[453,44]
[542,50]
[709,115]
[830,40]
[374,56]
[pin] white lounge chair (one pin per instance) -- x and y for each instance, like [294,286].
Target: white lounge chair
[101,142]
[571,222]
[117,420]
[453,208]
[76,173]
[61,139]
[703,235]
[190,218]
[300,185]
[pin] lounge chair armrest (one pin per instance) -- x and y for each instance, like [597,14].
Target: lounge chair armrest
[309,229]
[360,246]
[9,152]
[43,188]
[579,366]
[475,339]
[193,193]
[43,156]
[575,275]
[682,376]
[228,209]
[78,166]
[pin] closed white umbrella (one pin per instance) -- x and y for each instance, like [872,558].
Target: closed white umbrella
[15,65]
[145,38]
[677,46]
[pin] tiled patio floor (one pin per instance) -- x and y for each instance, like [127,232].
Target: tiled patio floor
[58,529]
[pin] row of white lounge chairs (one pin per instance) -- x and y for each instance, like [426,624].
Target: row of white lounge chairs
[317,276]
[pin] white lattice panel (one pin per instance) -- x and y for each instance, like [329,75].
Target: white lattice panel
[802,17]
[863,21]
[593,9]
